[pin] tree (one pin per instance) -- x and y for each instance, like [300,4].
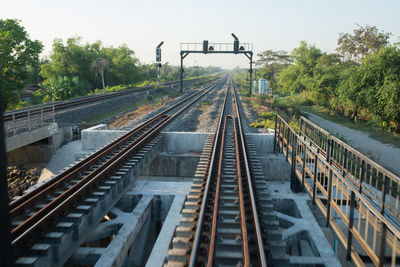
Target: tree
[124,66]
[73,60]
[271,63]
[363,41]
[326,79]
[306,57]
[381,83]
[17,53]
[76,59]
[59,89]
[300,77]
[100,65]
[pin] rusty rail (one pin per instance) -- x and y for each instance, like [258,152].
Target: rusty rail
[347,200]
[59,205]
[244,185]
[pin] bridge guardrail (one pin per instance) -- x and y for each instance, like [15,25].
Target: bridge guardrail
[44,117]
[367,175]
[358,197]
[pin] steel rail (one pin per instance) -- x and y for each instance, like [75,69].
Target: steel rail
[23,202]
[18,230]
[216,199]
[196,240]
[17,205]
[240,151]
[246,254]
[56,207]
[260,245]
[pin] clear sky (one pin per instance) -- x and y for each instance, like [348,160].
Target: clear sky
[276,25]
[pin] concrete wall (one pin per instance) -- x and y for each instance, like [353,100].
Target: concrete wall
[26,138]
[185,142]
[38,152]
[175,165]
[275,168]
[264,143]
[97,136]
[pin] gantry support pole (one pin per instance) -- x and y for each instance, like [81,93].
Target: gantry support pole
[183,55]
[181,73]
[251,71]
[249,55]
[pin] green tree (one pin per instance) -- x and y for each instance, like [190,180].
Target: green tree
[363,41]
[300,77]
[59,89]
[124,66]
[381,82]
[73,60]
[18,53]
[271,64]
[326,79]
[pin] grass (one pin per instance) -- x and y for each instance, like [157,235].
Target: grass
[204,104]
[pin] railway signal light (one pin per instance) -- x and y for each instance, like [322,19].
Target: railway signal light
[158,54]
[205,46]
[158,51]
[235,44]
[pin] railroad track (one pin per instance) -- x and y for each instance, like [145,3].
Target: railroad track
[228,218]
[52,219]
[56,106]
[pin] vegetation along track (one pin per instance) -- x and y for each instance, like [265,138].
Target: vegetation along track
[46,207]
[227,219]
[45,108]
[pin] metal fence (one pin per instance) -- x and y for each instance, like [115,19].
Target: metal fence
[359,198]
[30,121]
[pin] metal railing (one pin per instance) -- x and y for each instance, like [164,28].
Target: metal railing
[32,120]
[359,198]
[368,176]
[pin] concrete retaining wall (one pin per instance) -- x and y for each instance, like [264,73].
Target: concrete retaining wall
[97,136]
[264,143]
[34,151]
[26,138]
[171,164]
[185,142]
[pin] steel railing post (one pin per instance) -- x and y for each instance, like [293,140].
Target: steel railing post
[13,123]
[351,219]
[315,176]
[293,178]
[29,120]
[330,186]
[276,122]
[362,174]
[41,117]
[303,176]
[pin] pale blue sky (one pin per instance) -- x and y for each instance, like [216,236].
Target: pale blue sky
[276,25]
